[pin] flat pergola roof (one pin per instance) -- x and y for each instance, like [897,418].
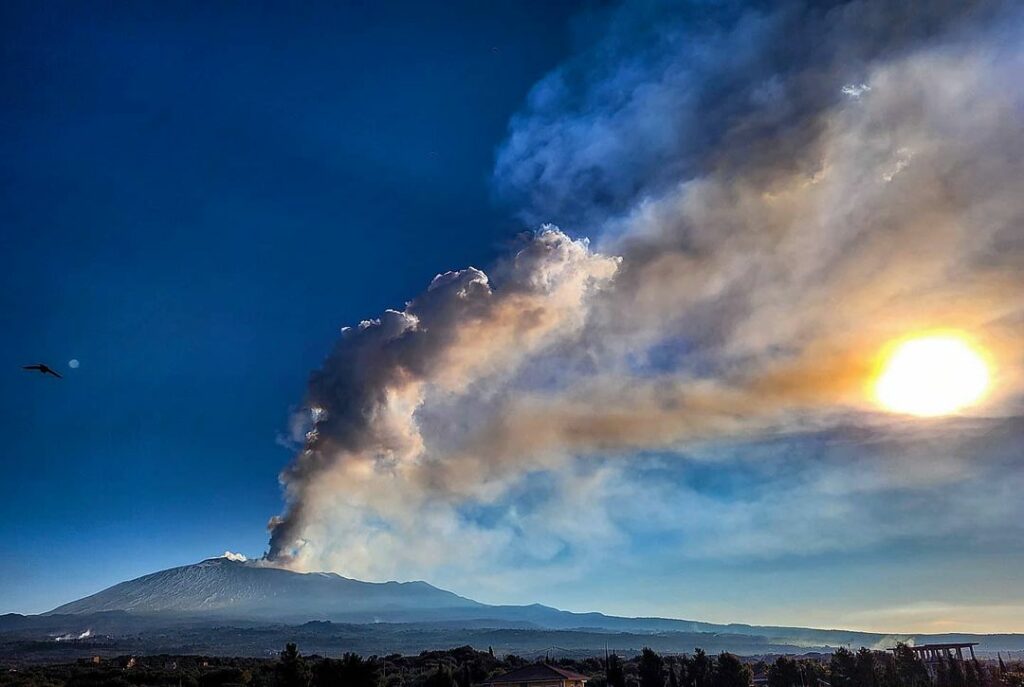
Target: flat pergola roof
[934,652]
[932,647]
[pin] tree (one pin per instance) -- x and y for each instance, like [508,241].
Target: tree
[700,669]
[888,676]
[865,672]
[685,679]
[956,673]
[615,676]
[221,677]
[909,671]
[673,682]
[811,672]
[731,672]
[442,677]
[972,673]
[842,668]
[292,670]
[651,669]
[351,670]
[784,673]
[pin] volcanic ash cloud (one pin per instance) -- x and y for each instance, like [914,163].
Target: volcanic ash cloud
[772,227]
[365,454]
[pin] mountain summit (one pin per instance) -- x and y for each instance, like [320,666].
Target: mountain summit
[232,588]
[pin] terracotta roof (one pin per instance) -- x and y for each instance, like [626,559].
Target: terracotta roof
[536,673]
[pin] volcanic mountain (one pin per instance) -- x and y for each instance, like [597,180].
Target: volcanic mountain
[221,592]
[228,588]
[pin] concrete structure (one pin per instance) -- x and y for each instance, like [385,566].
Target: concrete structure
[931,654]
[538,675]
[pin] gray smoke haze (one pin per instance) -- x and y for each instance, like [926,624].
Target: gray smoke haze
[774,196]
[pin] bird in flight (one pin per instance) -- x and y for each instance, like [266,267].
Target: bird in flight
[43,369]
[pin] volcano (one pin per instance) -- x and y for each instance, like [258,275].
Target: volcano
[227,588]
[195,603]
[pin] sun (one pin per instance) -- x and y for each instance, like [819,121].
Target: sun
[932,375]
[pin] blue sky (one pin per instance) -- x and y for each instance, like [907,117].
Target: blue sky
[194,201]
[657,407]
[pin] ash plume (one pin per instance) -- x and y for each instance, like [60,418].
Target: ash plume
[364,399]
[773,195]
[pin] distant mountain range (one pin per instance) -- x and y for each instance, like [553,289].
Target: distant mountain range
[194,604]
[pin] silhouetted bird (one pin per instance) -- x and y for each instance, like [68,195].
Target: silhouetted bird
[43,369]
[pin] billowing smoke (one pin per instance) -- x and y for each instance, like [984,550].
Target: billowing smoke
[460,333]
[773,195]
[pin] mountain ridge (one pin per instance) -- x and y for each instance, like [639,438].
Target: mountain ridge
[233,591]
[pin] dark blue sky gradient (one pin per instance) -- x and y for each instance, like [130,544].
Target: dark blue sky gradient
[193,199]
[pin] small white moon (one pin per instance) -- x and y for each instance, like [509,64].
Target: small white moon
[73,363]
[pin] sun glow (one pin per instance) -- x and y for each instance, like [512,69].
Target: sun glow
[932,375]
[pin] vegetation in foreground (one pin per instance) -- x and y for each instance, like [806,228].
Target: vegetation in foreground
[466,667]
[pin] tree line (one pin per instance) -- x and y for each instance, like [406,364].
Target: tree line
[468,667]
